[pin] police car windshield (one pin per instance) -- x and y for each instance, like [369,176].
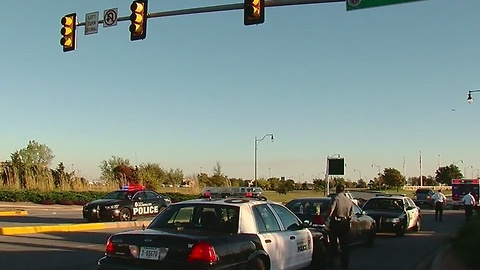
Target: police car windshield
[117,195]
[384,204]
[202,217]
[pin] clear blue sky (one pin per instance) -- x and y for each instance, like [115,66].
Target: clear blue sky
[375,86]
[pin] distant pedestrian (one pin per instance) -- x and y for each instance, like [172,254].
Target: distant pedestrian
[440,202]
[468,203]
[341,213]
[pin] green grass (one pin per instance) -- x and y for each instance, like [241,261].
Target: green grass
[466,241]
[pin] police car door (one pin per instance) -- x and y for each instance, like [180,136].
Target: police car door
[271,237]
[298,239]
[412,212]
[138,204]
[153,203]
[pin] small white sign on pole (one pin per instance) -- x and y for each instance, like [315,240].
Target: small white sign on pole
[91,23]
[110,17]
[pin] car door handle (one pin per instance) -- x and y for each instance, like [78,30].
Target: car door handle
[268,241]
[292,237]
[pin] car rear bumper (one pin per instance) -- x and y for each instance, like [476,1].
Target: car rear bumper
[108,263]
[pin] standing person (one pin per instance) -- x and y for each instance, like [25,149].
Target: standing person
[468,202]
[341,213]
[440,201]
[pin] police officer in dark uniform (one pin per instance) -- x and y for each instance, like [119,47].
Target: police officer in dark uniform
[341,213]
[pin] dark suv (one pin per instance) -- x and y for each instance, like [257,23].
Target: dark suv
[424,196]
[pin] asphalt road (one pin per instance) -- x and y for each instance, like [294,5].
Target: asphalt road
[81,250]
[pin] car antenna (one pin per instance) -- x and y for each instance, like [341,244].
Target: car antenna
[143,227]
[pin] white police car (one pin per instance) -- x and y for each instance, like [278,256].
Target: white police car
[222,233]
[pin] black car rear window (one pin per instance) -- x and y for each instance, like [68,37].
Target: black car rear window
[203,217]
[423,191]
[384,204]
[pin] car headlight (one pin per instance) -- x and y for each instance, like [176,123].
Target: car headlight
[392,220]
[110,207]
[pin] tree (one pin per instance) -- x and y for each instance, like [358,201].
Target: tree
[107,166]
[361,184]
[446,174]
[393,178]
[35,154]
[151,175]
[319,184]
[125,174]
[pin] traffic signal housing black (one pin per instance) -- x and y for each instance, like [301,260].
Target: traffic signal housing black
[253,12]
[68,31]
[138,20]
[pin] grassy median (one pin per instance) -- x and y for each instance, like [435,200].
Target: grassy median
[466,241]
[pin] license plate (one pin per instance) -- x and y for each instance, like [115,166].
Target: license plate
[152,253]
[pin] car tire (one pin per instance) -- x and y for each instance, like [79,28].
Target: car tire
[125,215]
[256,264]
[319,256]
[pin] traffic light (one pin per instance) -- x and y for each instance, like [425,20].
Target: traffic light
[253,12]
[138,19]
[68,31]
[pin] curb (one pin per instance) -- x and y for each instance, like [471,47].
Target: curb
[438,260]
[72,227]
[13,213]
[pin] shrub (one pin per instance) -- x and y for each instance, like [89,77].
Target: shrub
[468,236]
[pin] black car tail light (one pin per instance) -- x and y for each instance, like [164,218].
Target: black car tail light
[202,252]
[109,250]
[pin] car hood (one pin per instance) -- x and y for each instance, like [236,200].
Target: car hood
[383,214]
[103,202]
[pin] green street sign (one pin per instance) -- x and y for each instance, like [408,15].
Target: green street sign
[361,4]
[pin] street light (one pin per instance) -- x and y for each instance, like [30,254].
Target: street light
[378,166]
[455,163]
[469,97]
[256,143]
[359,172]
[465,171]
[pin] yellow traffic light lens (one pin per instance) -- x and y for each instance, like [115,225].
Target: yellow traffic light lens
[67,21]
[136,18]
[136,29]
[66,41]
[65,31]
[253,9]
[137,7]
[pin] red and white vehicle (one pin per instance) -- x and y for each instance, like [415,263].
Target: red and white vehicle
[460,187]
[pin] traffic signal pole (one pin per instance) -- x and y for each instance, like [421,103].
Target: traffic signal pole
[227,7]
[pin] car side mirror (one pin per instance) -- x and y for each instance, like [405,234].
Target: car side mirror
[410,207]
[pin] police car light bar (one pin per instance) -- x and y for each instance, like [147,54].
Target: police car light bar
[133,187]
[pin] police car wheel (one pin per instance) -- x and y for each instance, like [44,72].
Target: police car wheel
[125,215]
[256,264]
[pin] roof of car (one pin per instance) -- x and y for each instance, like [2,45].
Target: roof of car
[228,200]
[389,196]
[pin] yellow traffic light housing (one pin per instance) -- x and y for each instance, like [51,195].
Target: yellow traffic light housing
[138,20]
[68,31]
[253,12]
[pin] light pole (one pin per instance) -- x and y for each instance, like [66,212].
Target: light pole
[455,163]
[378,166]
[465,171]
[256,146]
[469,97]
[359,173]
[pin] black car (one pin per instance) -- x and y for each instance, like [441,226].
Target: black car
[218,233]
[125,204]
[424,196]
[394,214]
[315,210]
